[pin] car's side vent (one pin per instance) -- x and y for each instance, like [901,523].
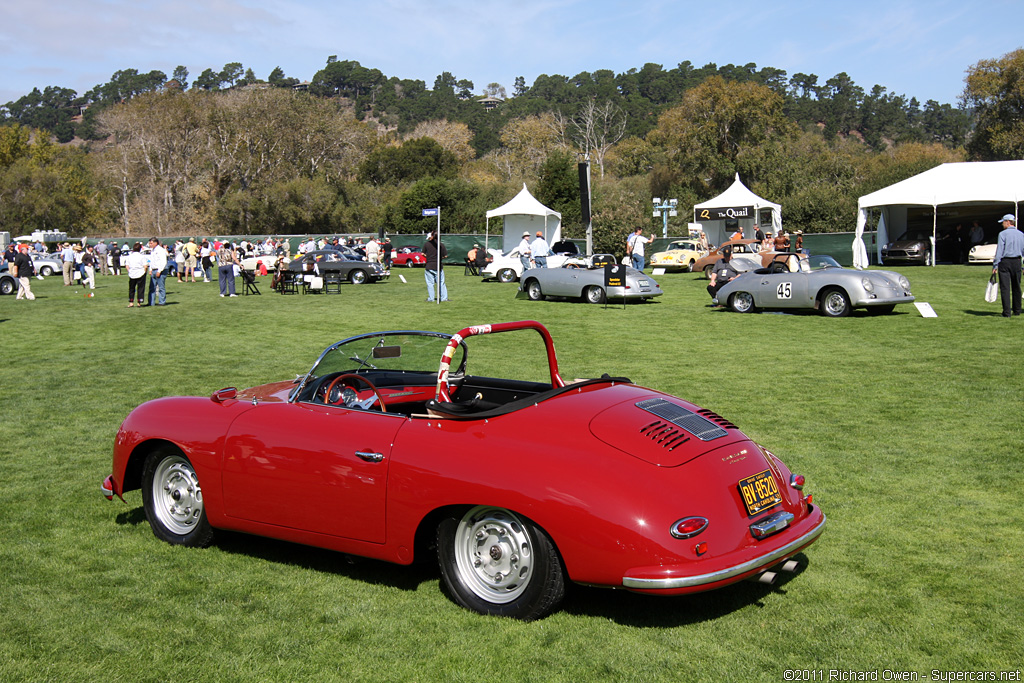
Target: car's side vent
[697,425]
[665,434]
[716,418]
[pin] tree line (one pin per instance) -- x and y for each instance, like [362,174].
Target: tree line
[356,150]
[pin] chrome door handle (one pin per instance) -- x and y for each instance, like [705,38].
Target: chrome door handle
[369,456]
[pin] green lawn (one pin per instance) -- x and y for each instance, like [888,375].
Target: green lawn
[908,430]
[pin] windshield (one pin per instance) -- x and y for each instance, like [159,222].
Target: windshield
[394,356]
[821,262]
[682,245]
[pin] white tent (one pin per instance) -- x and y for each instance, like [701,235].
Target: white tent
[964,183]
[523,213]
[737,203]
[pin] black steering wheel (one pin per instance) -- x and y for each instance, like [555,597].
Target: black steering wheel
[350,379]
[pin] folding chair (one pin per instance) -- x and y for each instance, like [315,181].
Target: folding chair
[249,283]
[470,268]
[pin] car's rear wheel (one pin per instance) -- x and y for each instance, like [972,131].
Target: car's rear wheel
[708,269]
[533,291]
[358,276]
[594,295]
[495,562]
[689,266]
[173,499]
[506,275]
[7,286]
[835,303]
[742,302]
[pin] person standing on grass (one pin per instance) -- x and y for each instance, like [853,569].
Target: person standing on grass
[540,251]
[22,268]
[157,273]
[227,258]
[1006,263]
[524,251]
[137,266]
[67,258]
[436,252]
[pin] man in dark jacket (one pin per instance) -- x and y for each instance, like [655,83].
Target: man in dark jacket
[435,252]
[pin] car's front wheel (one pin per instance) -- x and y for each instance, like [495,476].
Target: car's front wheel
[506,275]
[835,303]
[495,562]
[7,286]
[742,302]
[409,263]
[358,276]
[46,271]
[173,500]
[533,291]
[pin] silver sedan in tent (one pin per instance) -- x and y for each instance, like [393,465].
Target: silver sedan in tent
[816,282]
[584,278]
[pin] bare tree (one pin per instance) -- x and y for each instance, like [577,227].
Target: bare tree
[597,127]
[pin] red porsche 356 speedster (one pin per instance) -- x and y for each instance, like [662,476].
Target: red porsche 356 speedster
[517,486]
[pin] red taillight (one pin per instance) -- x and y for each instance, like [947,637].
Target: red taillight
[690,526]
[797,481]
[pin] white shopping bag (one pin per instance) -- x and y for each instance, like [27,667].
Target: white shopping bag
[991,290]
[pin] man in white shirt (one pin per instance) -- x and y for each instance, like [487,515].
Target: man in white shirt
[637,242]
[524,251]
[157,273]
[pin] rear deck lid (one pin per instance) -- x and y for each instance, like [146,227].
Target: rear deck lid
[663,430]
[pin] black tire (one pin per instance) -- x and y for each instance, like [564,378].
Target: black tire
[46,271]
[594,295]
[173,500]
[689,266]
[409,263]
[358,276]
[835,303]
[707,270]
[533,291]
[742,302]
[498,563]
[507,275]
[7,285]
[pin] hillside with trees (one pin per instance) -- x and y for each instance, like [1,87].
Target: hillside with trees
[353,149]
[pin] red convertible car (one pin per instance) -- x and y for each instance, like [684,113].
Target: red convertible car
[389,448]
[408,256]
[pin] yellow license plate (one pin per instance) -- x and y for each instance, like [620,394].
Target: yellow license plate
[759,492]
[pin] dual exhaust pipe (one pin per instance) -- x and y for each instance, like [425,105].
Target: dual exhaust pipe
[768,577]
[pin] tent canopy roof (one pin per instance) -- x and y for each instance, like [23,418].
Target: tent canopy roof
[954,183]
[522,204]
[738,194]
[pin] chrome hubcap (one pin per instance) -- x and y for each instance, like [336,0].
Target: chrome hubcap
[177,497]
[494,554]
[834,302]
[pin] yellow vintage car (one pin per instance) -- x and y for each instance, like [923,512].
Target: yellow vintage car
[680,255]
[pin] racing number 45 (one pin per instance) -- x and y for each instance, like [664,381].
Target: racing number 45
[784,290]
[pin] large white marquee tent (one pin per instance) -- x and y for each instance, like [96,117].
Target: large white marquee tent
[963,183]
[730,205]
[523,213]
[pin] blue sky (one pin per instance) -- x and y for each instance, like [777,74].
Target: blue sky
[919,48]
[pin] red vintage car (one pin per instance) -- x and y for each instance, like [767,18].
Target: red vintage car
[389,448]
[408,256]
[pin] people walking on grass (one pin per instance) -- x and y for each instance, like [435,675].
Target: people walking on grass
[21,267]
[89,268]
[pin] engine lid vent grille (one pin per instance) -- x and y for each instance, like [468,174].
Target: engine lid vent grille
[715,417]
[697,425]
